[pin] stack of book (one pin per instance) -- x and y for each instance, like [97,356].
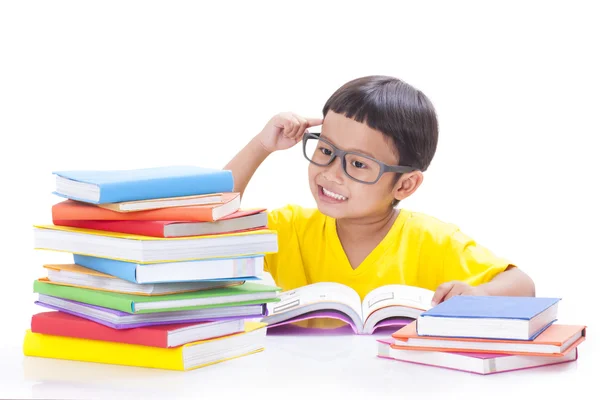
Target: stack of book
[487,335]
[162,273]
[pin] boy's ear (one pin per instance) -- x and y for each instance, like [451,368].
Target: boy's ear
[408,183]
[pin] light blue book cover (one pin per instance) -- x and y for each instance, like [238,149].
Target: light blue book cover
[504,307]
[150,183]
[128,270]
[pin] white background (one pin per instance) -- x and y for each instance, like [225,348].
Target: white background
[123,84]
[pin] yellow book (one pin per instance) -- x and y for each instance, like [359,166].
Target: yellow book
[187,357]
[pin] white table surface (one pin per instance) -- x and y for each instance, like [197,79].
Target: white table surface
[293,365]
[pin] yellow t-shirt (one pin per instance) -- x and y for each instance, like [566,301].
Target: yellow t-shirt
[419,250]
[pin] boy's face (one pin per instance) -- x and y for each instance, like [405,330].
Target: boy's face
[336,194]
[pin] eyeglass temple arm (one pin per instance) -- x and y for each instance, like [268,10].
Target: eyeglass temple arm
[398,168]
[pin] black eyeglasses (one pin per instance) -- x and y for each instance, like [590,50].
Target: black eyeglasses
[356,166]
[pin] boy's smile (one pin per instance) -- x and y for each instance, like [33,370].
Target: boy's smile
[331,196]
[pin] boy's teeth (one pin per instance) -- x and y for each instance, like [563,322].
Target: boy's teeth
[333,195]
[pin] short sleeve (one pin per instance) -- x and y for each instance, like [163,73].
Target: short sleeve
[467,261]
[280,220]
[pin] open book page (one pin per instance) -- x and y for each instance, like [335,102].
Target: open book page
[396,295]
[315,297]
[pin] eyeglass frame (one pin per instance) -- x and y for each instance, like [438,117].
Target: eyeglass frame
[341,154]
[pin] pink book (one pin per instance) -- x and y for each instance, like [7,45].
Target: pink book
[477,363]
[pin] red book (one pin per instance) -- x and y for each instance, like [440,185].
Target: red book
[61,324]
[239,221]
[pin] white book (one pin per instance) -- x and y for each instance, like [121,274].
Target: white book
[145,249]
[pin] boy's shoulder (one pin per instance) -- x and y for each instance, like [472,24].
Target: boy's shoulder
[421,220]
[427,228]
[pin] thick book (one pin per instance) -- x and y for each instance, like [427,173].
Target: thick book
[146,249]
[239,221]
[239,268]
[112,186]
[477,363]
[387,305]
[248,293]
[489,317]
[70,210]
[78,276]
[556,341]
[116,319]
[189,356]
[154,204]
[172,335]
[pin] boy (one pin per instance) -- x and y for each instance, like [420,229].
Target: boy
[378,136]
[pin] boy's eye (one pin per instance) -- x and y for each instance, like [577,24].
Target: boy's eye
[325,151]
[358,164]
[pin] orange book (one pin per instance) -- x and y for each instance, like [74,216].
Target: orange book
[556,341]
[82,277]
[75,210]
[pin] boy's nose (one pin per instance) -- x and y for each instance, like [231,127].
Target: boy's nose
[334,172]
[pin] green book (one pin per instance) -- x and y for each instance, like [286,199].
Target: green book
[246,294]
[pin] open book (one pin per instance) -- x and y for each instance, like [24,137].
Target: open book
[385,306]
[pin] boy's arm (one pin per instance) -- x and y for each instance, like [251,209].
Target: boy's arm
[511,282]
[282,131]
[245,163]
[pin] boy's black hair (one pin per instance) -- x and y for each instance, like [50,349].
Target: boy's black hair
[396,109]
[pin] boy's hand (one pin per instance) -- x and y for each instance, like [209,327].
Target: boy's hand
[285,130]
[456,288]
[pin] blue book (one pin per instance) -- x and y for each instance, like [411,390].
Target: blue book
[101,187]
[217,269]
[489,317]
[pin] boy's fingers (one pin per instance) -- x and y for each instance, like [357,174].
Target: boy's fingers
[288,127]
[280,120]
[293,125]
[441,292]
[455,291]
[301,128]
[306,123]
[314,121]
[296,125]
